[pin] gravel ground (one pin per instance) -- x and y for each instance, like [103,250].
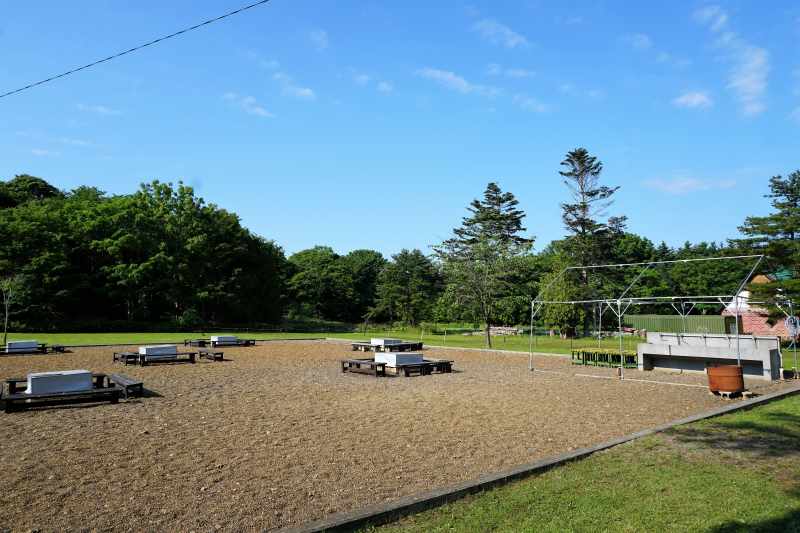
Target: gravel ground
[276,435]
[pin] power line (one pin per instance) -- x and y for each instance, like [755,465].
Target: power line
[135,48]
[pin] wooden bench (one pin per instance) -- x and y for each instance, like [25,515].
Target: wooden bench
[238,342]
[408,369]
[370,366]
[361,347]
[128,385]
[126,357]
[212,355]
[101,391]
[196,343]
[444,366]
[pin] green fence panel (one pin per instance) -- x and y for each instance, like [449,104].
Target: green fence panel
[676,324]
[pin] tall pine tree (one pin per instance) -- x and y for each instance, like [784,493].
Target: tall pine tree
[478,259]
[590,238]
[777,236]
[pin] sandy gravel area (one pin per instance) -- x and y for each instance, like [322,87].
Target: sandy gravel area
[277,435]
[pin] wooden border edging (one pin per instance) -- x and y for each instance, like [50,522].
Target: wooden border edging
[380,514]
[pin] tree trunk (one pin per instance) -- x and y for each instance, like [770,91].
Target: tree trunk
[488,335]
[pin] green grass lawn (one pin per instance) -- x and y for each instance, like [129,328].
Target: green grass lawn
[734,473]
[542,343]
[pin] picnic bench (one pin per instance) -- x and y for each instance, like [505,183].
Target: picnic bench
[143,359]
[602,357]
[212,355]
[129,386]
[398,347]
[196,343]
[12,398]
[364,366]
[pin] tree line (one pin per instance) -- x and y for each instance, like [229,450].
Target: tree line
[161,255]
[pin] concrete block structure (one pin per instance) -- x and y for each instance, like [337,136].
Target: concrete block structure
[63,381]
[693,352]
[21,346]
[161,349]
[385,342]
[393,359]
[224,339]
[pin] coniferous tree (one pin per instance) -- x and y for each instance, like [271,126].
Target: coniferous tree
[777,235]
[478,259]
[590,239]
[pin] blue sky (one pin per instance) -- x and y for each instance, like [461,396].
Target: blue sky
[373,124]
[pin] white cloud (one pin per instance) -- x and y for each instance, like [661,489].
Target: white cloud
[666,57]
[319,38]
[693,100]
[98,109]
[269,64]
[496,70]
[571,90]
[453,81]
[681,185]
[385,87]
[750,66]
[291,89]
[529,103]
[361,79]
[74,142]
[497,33]
[639,41]
[713,16]
[40,152]
[749,78]
[248,104]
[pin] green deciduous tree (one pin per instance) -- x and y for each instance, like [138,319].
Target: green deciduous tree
[408,288]
[157,255]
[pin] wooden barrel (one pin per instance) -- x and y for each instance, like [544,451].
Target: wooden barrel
[725,378]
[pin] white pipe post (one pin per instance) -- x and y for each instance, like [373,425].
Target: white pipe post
[738,352]
[794,338]
[621,356]
[530,342]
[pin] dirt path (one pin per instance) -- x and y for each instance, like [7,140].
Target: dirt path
[277,435]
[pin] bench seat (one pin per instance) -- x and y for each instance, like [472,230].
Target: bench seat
[128,385]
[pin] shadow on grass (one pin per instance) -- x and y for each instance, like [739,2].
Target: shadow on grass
[787,522]
[774,435]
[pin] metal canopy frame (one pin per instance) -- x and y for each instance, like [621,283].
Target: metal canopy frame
[682,304]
